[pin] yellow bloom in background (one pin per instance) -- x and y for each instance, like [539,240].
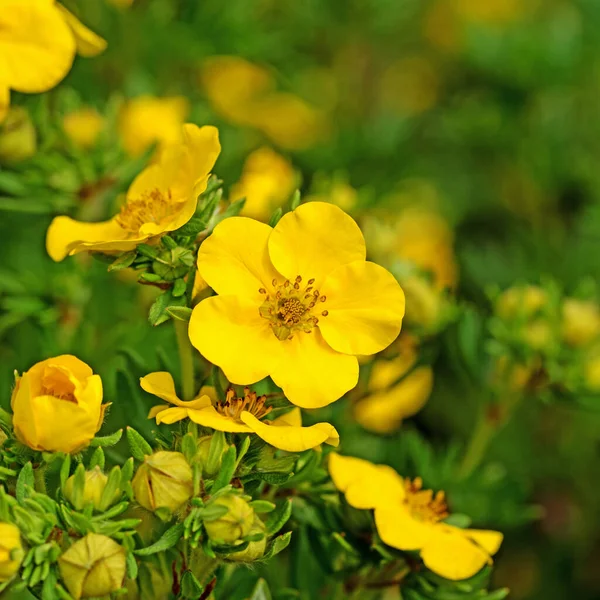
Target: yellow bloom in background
[18,138]
[237,415]
[337,191]
[520,301]
[38,42]
[492,12]
[297,302]
[57,405]
[11,551]
[409,518]
[580,321]
[83,127]
[267,181]
[162,198]
[147,120]
[390,401]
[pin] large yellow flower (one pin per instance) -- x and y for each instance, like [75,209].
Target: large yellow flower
[267,181]
[237,415]
[146,120]
[162,198]
[38,42]
[57,405]
[297,303]
[412,519]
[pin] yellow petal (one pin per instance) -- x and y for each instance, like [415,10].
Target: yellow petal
[291,438]
[204,148]
[66,236]
[365,306]
[161,384]
[209,417]
[235,260]
[311,374]
[381,487]
[383,412]
[292,418]
[313,240]
[157,409]
[490,541]
[36,45]
[346,469]
[450,554]
[231,334]
[88,43]
[4,102]
[171,415]
[398,529]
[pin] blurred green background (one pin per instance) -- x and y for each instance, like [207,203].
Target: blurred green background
[486,110]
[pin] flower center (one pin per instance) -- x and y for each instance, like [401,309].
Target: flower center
[289,307]
[56,383]
[150,207]
[233,406]
[422,504]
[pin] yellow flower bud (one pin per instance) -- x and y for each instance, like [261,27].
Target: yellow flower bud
[11,551]
[254,550]
[538,335]
[95,483]
[164,480]
[93,566]
[17,136]
[233,525]
[203,453]
[581,321]
[83,127]
[57,405]
[520,301]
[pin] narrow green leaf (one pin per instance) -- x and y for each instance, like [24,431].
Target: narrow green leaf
[227,469]
[167,540]
[137,444]
[98,459]
[65,470]
[279,517]
[296,199]
[122,262]
[107,440]
[275,217]
[181,313]
[25,482]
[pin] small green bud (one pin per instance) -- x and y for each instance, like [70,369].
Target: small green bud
[233,525]
[254,550]
[211,462]
[93,489]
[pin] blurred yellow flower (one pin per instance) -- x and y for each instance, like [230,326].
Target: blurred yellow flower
[520,301]
[580,321]
[147,120]
[395,392]
[57,405]
[18,139]
[591,371]
[494,12]
[11,551]
[162,198]
[83,126]
[296,302]
[338,192]
[38,42]
[409,518]
[238,415]
[267,181]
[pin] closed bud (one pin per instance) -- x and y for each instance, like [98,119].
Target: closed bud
[17,136]
[234,524]
[164,480]
[210,468]
[520,301]
[254,550]
[93,566]
[580,321]
[11,551]
[93,489]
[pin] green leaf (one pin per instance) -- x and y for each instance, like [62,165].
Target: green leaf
[167,540]
[192,228]
[181,313]
[169,242]
[275,217]
[25,482]
[263,506]
[273,478]
[125,260]
[132,566]
[227,469]
[279,517]
[147,250]
[279,544]
[296,199]
[157,313]
[107,440]
[234,209]
[65,470]
[190,586]
[137,444]
[98,459]
[179,288]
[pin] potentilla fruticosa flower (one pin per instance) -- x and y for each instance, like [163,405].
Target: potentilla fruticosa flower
[410,518]
[297,302]
[237,415]
[162,198]
[38,42]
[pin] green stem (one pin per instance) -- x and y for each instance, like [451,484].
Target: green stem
[186,359]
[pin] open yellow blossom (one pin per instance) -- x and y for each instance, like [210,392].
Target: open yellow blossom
[162,198]
[410,518]
[297,302]
[38,42]
[57,405]
[237,415]
[395,392]
[83,127]
[267,181]
[147,120]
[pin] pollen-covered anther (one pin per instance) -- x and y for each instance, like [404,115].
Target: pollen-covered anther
[234,406]
[151,207]
[422,504]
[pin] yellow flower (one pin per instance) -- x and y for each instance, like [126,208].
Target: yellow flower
[581,321]
[233,85]
[297,302]
[38,42]
[83,127]
[388,402]
[520,301]
[164,480]
[57,405]
[267,181]
[93,566]
[409,518]
[239,415]
[147,120]
[162,198]
[338,192]
[11,551]
[18,140]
